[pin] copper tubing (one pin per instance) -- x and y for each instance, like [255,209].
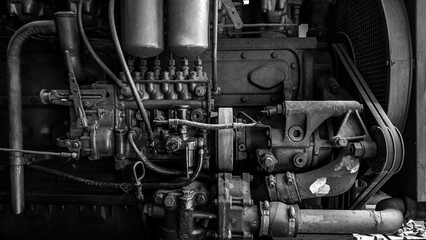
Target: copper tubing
[15,107]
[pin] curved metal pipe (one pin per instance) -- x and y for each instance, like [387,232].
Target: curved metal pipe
[411,209]
[15,106]
[330,180]
[153,167]
[144,113]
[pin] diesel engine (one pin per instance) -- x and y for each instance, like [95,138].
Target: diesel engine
[203,119]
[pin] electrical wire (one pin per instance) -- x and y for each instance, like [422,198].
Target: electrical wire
[111,18]
[92,52]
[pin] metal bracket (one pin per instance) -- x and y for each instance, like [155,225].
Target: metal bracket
[233,13]
[75,93]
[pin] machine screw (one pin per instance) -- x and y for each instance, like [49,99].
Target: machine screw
[170,202]
[200,91]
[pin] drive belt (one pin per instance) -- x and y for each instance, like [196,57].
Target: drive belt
[391,156]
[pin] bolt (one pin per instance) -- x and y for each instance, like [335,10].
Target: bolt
[243,55]
[76,145]
[243,99]
[86,103]
[293,65]
[201,198]
[158,199]
[357,149]
[67,144]
[170,202]
[339,142]
[290,181]
[216,202]
[274,55]
[125,91]
[268,161]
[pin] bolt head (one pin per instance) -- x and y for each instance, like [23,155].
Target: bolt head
[75,145]
[170,201]
[269,161]
[201,198]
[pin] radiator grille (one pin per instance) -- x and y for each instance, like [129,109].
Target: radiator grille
[364,23]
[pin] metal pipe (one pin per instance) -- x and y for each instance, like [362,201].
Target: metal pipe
[69,40]
[166,104]
[349,221]
[288,220]
[214,45]
[153,167]
[250,25]
[55,154]
[92,52]
[207,126]
[15,106]
[129,77]
[411,209]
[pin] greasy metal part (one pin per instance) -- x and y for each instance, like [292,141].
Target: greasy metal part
[151,166]
[392,142]
[127,71]
[15,106]
[333,179]
[69,40]
[219,126]
[89,47]
[75,92]
[238,216]
[214,45]
[233,13]
[225,144]
[187,39]
[55,154]
[410,209]
[349,221]
[283,220]
[142,27]
[255,25]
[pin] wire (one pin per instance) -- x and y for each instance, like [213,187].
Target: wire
[92,52]
[100,184]
[150,165]
[127,71]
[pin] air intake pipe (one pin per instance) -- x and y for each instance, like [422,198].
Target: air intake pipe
[16,160]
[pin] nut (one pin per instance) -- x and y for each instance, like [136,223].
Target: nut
[170,202]
[357,150]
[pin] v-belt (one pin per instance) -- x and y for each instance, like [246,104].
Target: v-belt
[393,143]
